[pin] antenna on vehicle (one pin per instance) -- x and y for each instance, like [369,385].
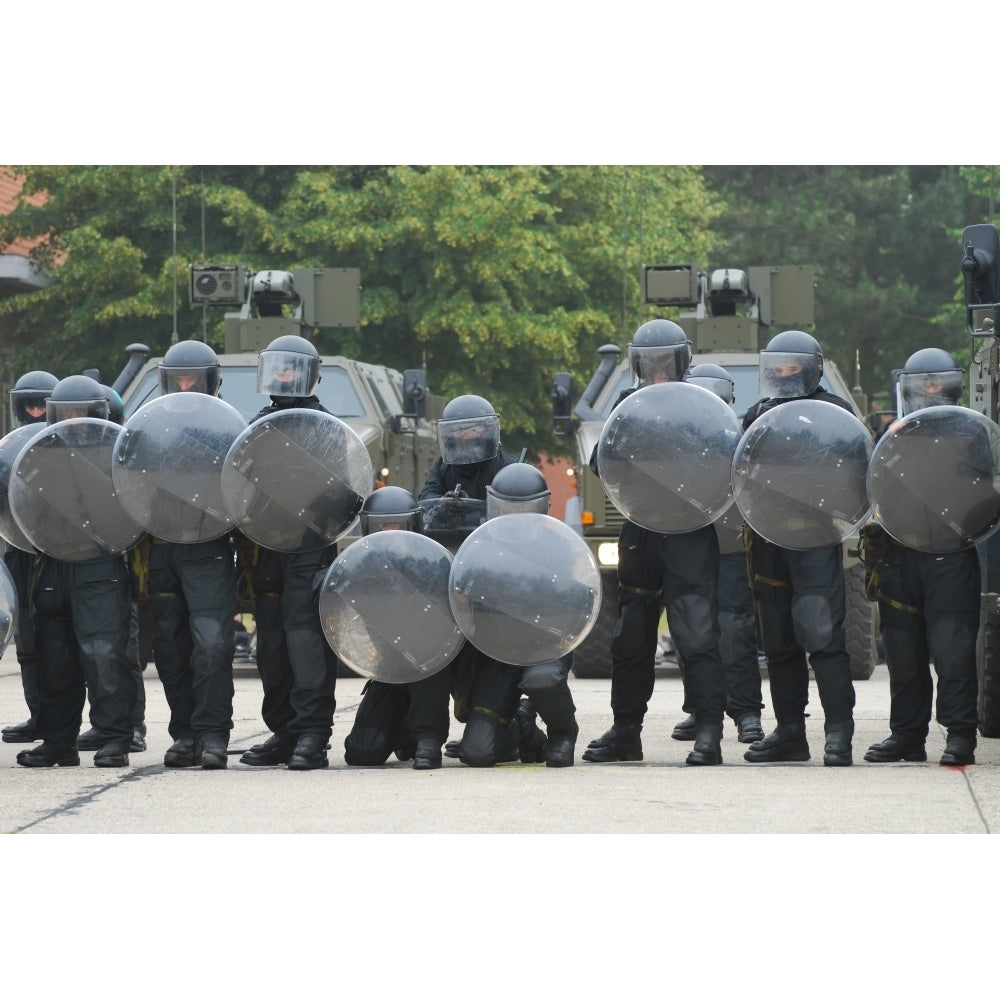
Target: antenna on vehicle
[173,177]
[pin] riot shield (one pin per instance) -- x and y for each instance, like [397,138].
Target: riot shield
[799,474]
[10,448]
[729,529]
[524,588]
[450,520]
[62,495]
[295,480]
[933,479]
[8,603]
[666,454]
[384,607]
[168,465]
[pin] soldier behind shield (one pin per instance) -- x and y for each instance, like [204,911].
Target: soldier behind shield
[27,406]
[800,594]
[297,667]
[193,602]
[928,607]
[656,570]
[82,613]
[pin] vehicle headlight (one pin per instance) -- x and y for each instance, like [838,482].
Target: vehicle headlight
[607,553]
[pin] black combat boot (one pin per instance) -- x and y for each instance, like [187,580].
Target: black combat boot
[92,739]
[531,745]
[959,750]
[685,730]
[112,755]
[276,749]
[49,754]
[23,732]
[560,747]
[182,753]
[620,742]
[427,755]
[214,752]
[309,753]
[893,749]
[707,745]
[837,751]
[786,743]
[749,729]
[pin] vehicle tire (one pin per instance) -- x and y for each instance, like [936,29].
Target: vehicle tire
[592,658]
[988,668]
[861,624]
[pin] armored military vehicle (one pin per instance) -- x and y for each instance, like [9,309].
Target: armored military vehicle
[734,314]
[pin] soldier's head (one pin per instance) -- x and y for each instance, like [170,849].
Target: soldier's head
[468,431]
[190,366]
[791,366]
[288,368]
[390,508]
[518,488]
[715,378]
[930,378]
[75,397]
[27,398]
[659,352]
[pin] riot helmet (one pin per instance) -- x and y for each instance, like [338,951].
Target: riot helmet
[468,431]
[288,368]
[715,378]
[190,366]
[76,396]
[116,405]
[389,508]
[790,366]
[31,390]
[518,488]
[659,352]
[930,378]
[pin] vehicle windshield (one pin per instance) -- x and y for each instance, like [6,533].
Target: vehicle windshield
[239,389]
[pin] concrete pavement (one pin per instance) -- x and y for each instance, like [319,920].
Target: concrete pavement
[659,795]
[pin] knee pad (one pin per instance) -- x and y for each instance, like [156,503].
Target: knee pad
[542,676]
[691,624]
[366,747]
[813,622]
[481,740]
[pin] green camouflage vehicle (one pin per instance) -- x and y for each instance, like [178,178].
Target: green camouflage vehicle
[735,313]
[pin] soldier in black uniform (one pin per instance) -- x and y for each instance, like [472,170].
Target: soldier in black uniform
[193,602]
[297,667]
[928,610]
[800,595]
[27,406]
[471,455]
[82,614]
[678,571]
[737,627]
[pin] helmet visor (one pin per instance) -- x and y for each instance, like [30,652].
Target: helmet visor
[27,406]
[785,375]
[204,380]
[658,364]
[286,373]
[497,505]
[722,387]
[404,521]
[469,440]
[922,389]
[71,409]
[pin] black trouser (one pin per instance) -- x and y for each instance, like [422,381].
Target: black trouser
[297,667]
[679,572]
[192,595]
[929,611]
[491,735]
[547,685]
[21,565]
[801,604]
[82,615]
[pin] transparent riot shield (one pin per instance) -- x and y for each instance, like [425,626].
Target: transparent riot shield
[384,607]
[62,494]
[10,447]
[933,479]
[799,474]
[295,480]
[8,606]
[168,465]
[666,454]
[525,588]
[450,520]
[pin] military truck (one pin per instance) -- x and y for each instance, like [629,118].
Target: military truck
[392,412]
[732,314]
[980,267]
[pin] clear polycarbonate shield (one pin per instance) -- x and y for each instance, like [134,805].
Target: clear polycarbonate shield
[450,520]
[729,528]
[799,474]
[525,588]
[8,607]
[62,494]
[384,607]
[10,447]
[933,479]
[295,480]
[666,454]
[168,465]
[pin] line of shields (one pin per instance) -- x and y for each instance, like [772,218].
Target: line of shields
[806,474]
[395,606]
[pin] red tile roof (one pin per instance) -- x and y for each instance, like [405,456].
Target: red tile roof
[10,189]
